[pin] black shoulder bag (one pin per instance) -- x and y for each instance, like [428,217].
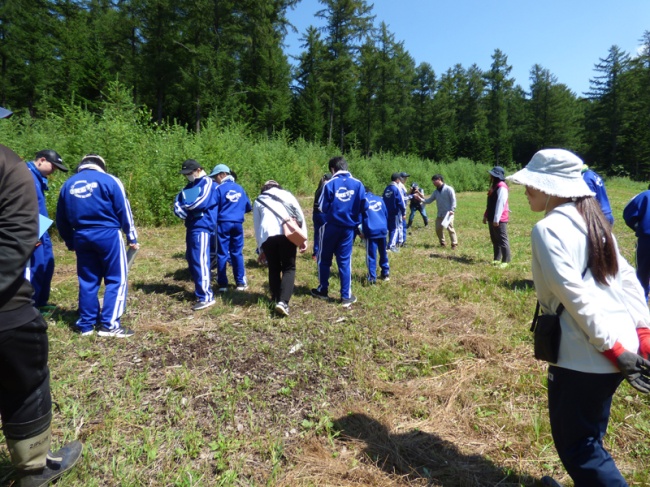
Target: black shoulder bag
[547,334]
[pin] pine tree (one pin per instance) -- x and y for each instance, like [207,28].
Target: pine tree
[499,88]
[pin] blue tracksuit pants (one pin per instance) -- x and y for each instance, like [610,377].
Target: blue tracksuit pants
[319,220]
[100,255]
[579,406]
[643,262]
[336,240]
[395,229]
[40,271]
[197,252]
[230,246]
[374,245]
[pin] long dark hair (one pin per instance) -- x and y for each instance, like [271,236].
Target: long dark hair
[603,258]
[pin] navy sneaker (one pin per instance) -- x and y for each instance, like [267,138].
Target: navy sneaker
[320,294]
[346,303]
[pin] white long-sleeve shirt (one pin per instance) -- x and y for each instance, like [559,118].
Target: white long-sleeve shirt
[595,316]
[266,223]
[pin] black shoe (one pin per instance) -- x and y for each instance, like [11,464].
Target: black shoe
[319,294]
[549,482]
[56,464]
[385,277]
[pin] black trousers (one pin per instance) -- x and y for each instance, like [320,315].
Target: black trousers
[281,257]
[25,399]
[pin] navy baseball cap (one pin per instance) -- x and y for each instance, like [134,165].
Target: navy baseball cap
[4,113]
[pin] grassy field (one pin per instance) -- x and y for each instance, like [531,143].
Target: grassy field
[428,380]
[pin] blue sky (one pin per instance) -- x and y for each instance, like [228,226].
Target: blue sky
[566,37]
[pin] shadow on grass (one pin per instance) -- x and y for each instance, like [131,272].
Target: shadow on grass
[182,274]
[451,256]
[419,455]
[171,290]
[519,285]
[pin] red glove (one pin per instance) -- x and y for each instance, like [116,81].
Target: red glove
[644,342]
[616,351]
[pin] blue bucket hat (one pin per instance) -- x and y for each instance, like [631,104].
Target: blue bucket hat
[218,169]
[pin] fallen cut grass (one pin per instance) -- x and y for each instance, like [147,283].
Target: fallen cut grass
[428,380]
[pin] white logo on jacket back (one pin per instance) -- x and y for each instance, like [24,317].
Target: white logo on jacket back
[233,196]
[375,205]
[83,189]
[344,194]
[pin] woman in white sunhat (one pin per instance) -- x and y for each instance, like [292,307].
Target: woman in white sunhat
[605,336]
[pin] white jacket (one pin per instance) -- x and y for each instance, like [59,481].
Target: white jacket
[266,223]
[595,316]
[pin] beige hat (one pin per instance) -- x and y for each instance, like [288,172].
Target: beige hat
[556,172]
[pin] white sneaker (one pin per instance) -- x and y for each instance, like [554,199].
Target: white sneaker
[242,287]
[282,308]
[203,304]
[117,332]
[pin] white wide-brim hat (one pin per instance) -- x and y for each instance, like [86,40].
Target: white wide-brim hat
[556,172]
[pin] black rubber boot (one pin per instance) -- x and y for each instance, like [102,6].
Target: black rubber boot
[56,464]
[547,481]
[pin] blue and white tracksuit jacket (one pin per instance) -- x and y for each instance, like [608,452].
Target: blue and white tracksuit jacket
[396,207]
[342,200]
[374,226]
[196,205]
[637,216]
[41,265]
[232,205]
[91,211]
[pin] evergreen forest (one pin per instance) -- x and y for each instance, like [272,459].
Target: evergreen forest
[354,86]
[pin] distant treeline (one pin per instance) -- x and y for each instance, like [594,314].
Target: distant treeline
[207,63]
[147,157]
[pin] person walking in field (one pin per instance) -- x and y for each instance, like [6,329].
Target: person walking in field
[415,205]
[581,277]
[41,264]
[445,197]
[196,205]
[270,209]
[232,205]
[318,217]
[91,211]
[396,207]
[374,228]
[637,216]
[342,200]
[496,216]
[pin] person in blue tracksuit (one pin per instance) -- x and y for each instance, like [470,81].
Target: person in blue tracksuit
[637,216]
[374,228]
[41,264]
[596,184]
[196,205]
[318,217]
[91,211]
[232,204]
[342,200]
[396,207]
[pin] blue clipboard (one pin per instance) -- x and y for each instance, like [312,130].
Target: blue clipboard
[43,224]
[190,195]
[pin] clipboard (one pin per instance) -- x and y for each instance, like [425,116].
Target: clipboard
[446,220]
[130,257]
[191,194]
[43,224]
